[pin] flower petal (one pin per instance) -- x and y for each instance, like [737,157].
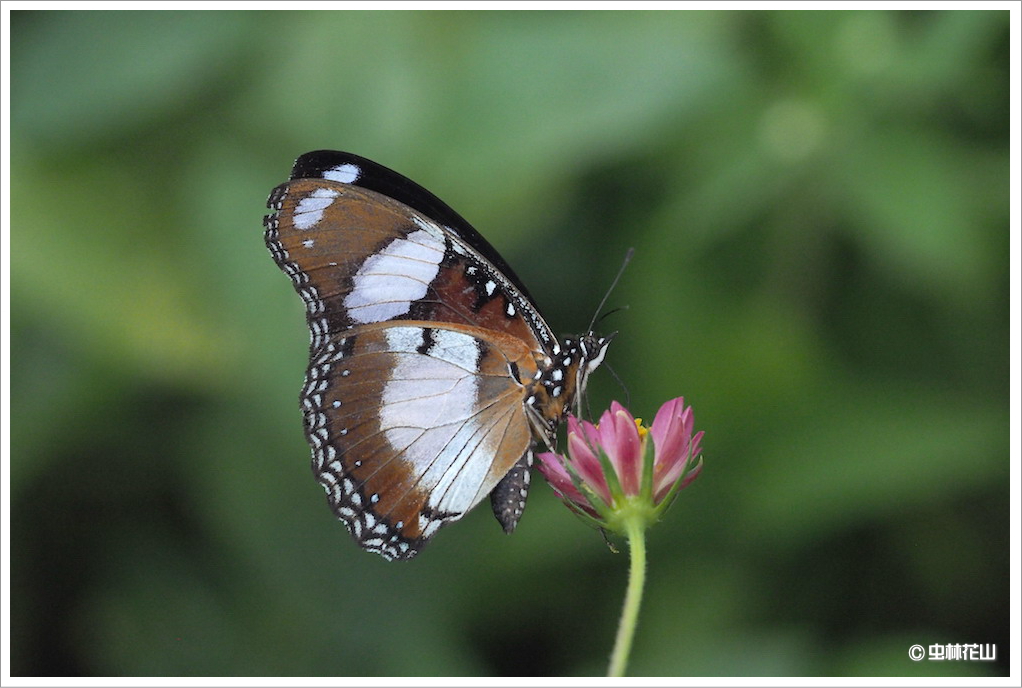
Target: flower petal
[620,441]
[583,440]
[552,467]
[663,487]
[696,449]
[671,430]
[676,448]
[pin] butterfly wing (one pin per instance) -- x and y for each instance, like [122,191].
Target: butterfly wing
[393,294]
[357,257]
[412,425]
[349,168]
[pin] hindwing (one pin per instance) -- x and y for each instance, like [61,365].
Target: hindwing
[413,424]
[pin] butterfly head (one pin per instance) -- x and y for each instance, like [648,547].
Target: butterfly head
[568,374]
[592,350]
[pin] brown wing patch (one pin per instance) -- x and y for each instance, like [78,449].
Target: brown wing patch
[412,424]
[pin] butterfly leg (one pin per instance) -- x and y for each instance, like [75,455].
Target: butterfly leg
[508,497]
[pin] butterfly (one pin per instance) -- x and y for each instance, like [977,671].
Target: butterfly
[432,374]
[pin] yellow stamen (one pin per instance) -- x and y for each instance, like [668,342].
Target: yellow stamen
[640,428]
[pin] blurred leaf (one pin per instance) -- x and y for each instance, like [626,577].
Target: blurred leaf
[919,202]
[75,84]
[874,454]
[101,278]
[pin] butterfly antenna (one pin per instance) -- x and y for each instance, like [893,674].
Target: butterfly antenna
[620,271]
[612,311]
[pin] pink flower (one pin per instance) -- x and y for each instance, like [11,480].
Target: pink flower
[613,471]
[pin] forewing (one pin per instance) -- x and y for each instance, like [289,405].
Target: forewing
[357,257]
[349,168]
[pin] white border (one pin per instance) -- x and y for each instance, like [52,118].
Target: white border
[1015,244]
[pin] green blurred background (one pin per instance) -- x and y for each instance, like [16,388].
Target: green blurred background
[819,207]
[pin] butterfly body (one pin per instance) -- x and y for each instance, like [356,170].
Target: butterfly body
[431,372]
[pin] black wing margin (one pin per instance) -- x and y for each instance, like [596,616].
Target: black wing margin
[375,177]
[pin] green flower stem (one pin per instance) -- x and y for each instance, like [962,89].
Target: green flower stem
[635,529]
